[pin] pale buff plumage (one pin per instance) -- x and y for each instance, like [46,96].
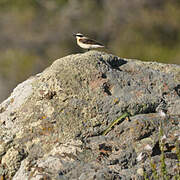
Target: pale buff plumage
[87,43]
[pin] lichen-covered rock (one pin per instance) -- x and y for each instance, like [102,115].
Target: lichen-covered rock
[53,124]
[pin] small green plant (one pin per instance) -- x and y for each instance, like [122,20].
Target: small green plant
[145,176]
[163,174]
[154,170]
[115,122]
[177,176]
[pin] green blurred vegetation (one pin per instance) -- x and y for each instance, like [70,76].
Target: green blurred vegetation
[12,69]
[36,32]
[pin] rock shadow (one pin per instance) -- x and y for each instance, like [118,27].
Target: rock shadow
[177,89]
[114,63]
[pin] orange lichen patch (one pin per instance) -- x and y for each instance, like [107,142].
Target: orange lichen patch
[139,93]
[41,92]
[104,149]
[43,117]
[152,115]
[104,152]
[172,149]
[127,119]
[2,178]
[12,100]
[97,83]
[165,87]
[139,125]
[116,101]
[46,129]
[96,80]
[153,165]
[131,130]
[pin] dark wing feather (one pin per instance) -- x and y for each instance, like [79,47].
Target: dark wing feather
[90,41]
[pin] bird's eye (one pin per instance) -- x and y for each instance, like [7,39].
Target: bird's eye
[79,35]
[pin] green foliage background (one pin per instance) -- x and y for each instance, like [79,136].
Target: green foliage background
[36,32]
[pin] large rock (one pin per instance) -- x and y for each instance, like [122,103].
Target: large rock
[54,125]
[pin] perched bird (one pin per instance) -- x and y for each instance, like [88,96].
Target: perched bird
[86,43]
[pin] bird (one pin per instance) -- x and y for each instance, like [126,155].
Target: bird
[87,43]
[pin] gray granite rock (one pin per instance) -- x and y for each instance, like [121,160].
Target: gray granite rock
[53,124]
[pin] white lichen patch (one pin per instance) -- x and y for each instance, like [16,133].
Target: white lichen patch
[12,160]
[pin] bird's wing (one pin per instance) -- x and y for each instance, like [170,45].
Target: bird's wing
[89,41]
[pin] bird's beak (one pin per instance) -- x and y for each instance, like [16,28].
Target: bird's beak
[74,34]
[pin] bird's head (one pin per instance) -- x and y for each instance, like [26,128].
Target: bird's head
[78,35]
